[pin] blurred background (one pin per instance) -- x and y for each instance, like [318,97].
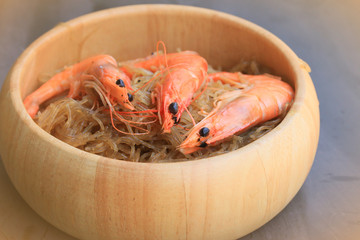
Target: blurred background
[324,33]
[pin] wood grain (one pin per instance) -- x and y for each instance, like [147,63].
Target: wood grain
[92,197]
[18,220]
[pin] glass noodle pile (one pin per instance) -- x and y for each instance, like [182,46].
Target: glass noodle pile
[86,123]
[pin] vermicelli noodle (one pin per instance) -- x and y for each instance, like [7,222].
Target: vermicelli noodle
[86,123]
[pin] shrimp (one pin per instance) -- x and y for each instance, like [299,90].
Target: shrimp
[263,98]
[102,67]
[183,73]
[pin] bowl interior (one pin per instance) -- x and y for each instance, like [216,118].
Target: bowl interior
[125,34]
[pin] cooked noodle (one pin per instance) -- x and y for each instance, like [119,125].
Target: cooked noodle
[86,123]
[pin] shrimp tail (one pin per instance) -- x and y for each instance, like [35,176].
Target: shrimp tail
[55,86]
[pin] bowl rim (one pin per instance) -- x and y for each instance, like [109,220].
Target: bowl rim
[16,71]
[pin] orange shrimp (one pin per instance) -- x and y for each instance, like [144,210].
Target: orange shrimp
[183,74]
[264,98]
[102,67]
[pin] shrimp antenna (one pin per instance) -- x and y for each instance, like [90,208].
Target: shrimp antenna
[160,42]
[161,71]
[192,119]
[151,79]
[203,90]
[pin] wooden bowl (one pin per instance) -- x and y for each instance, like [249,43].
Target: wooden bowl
[92,197]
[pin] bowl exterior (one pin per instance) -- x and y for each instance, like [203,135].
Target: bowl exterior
[92,197]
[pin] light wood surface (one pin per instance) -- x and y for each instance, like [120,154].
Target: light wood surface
[18,221]
[96,198]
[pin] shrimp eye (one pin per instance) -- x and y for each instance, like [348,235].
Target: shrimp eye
[173,108]
[203,144]
[120,82]
[131,97]
[204,132]
[175,120]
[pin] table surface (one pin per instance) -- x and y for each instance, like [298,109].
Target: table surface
[324,33]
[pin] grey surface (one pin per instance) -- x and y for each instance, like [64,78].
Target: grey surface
[324,33]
